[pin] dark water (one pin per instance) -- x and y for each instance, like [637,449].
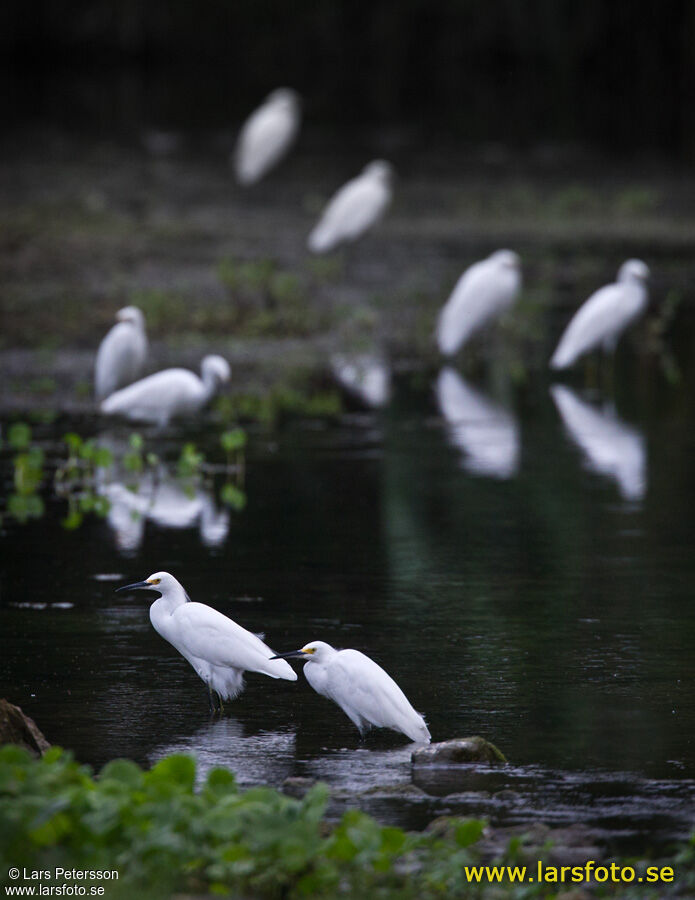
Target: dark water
[524,578]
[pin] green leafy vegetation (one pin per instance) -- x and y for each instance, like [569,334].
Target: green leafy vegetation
[162,835]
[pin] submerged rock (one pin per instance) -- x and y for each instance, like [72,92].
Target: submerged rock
[18,728]
[297,786]
[458,751]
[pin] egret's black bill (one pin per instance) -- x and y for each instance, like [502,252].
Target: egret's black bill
[293,654]
[138,586]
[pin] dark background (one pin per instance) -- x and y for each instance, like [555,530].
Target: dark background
[616,75]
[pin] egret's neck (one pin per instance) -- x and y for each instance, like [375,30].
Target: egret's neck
[170,600]
[210,385]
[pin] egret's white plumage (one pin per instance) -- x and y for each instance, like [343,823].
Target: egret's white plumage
[361,688]
[610,446]
[169,393]
[484,292]
[219,650]
[601,320]
[121,355]
[364,376]
[267,135]
[357,206]
[487,434]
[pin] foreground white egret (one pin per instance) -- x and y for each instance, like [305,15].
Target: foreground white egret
[484,292]
[267,135]
[601,320]
[219,650]
[357,206]
[361,688]
[169,393]
[121,355]
[610,446]
[486,433]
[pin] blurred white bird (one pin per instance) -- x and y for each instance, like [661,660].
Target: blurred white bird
[610,446]
[267,135]
[219,650]
[169,393]
[357,206]
[486,433]
[365,377]
[484,292]
[361,688]
[121,355]
[604,316]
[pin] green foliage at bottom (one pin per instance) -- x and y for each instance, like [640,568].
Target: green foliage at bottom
[162,835]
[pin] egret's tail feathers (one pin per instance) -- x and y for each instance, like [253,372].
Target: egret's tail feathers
[320,240]
[418,731]
[278,668]
[561,359]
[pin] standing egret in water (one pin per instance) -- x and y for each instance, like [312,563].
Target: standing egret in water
[219,650]
[169,393]
[121,355]
[267,135]
[357,206]
[365,377]
[361,688]
[601,320]
[610,446]
[484,292]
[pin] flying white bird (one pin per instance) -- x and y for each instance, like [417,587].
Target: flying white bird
[357,206]
[484,292]
[484,431]
[169,393]
[121,355]
[267,135]
[361,688]
[604,316]
[219,650]
[610,446]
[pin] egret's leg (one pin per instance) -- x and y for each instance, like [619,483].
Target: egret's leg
[219,697]
[210,699]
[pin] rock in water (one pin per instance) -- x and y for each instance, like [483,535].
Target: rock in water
[16,728]
[457,751]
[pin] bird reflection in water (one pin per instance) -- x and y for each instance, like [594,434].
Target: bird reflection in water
[610,447]
[365,377]
[486,433]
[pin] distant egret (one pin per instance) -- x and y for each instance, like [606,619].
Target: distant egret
[169,393]
[357,206]
[601,320]
[267,135]
[610,446]
[364,376]
[484,292]
[361,688]
[487,433]
[219,650]
[121,355]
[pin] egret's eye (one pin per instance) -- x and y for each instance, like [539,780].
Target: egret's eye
[154,580]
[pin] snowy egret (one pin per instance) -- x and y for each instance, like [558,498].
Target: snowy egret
[604,316]
[364,376]
[610,446]
[484,292]
[487,434]
[267,135]
[121,355]
[169,393]
[361,688]
[219,650]
[357,206]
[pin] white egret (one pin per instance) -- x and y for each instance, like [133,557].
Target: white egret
[601,320]
[361,688]
[365,376]
[169,393]
[267,135]
[219,650]
[121,355]
[357,206]
[486,433]
[484,292]
[610,446]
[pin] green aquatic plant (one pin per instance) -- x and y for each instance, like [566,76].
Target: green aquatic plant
[190,461]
